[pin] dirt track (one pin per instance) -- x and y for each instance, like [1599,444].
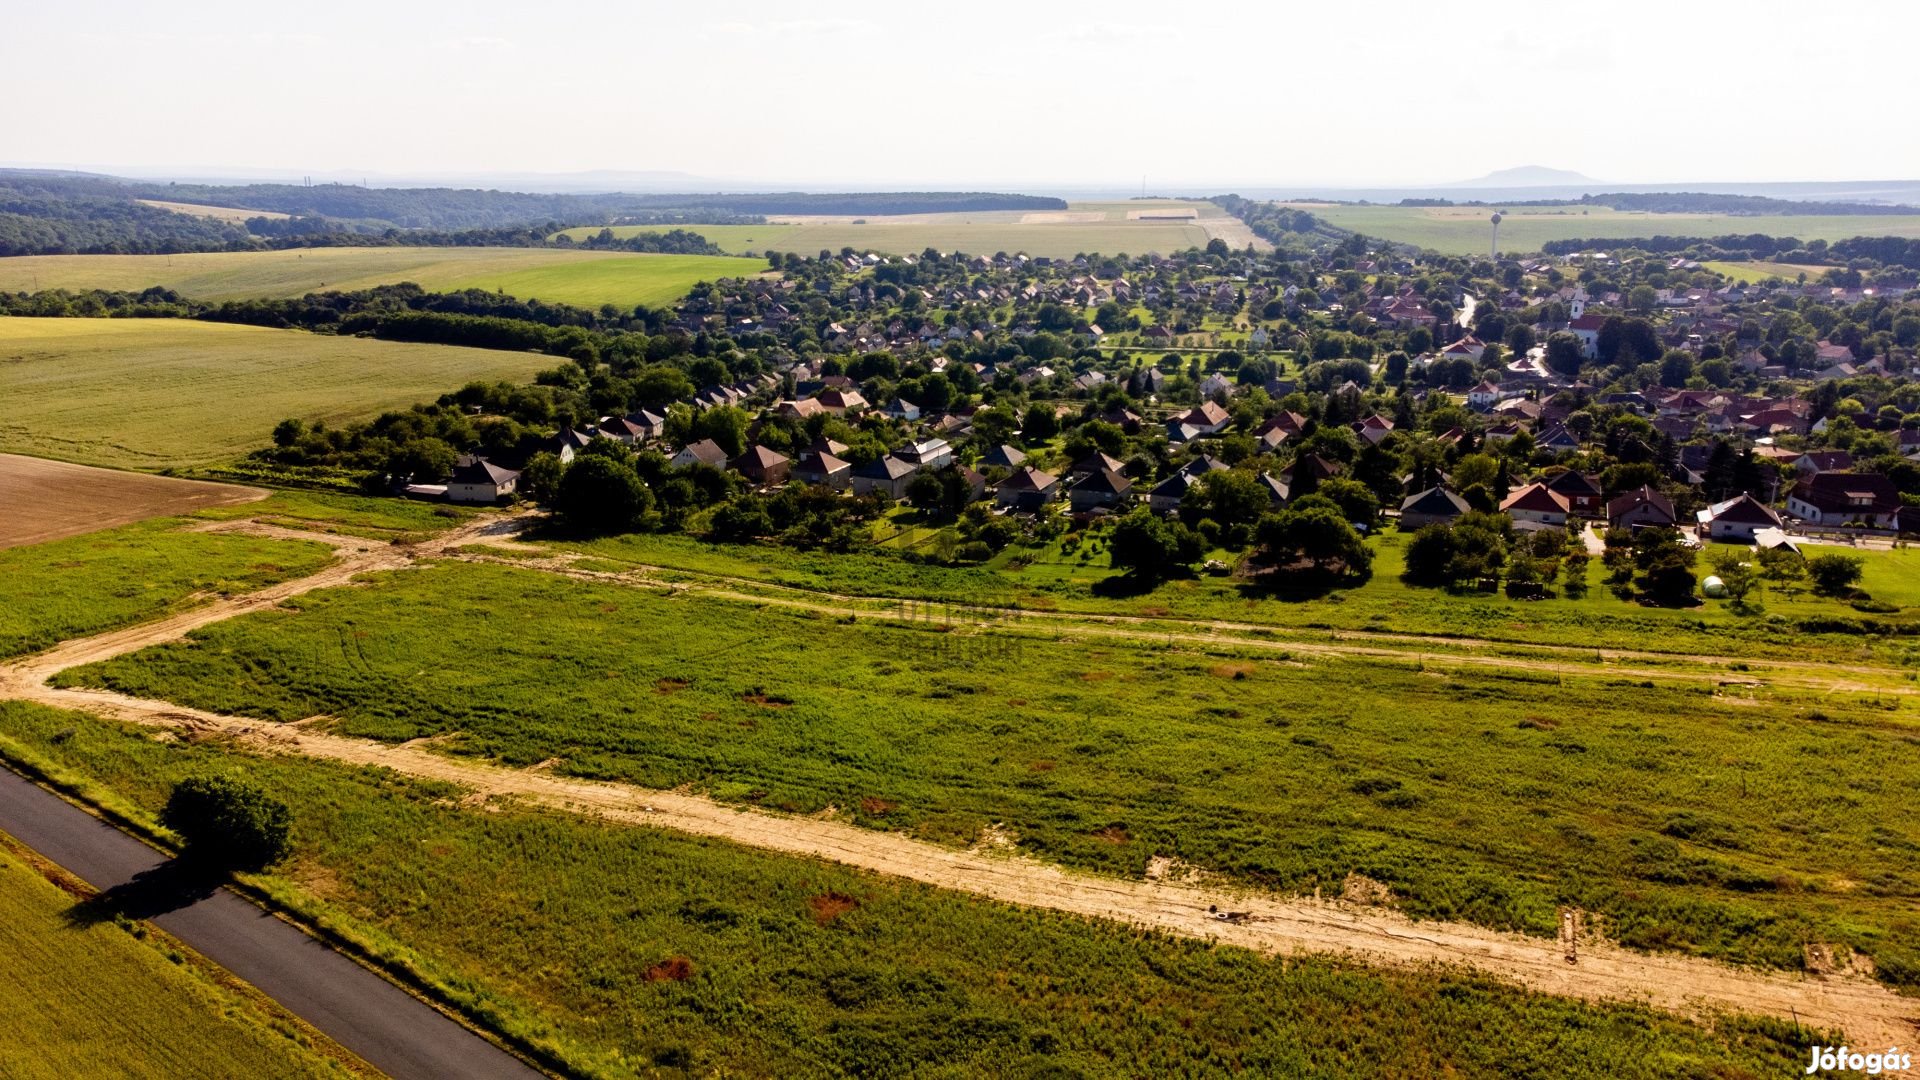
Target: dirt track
[1867,1011]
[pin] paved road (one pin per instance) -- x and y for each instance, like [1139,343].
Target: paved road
[361,1011]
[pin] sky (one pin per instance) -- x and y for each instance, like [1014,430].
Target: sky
[982,94]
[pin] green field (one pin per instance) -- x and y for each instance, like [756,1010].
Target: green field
[1750,272]
[639,952]
[585,278]
[80,998]
[1488,795]
[1083,228]
[159,393]
[86,584]
[1464,230]
[1074,575]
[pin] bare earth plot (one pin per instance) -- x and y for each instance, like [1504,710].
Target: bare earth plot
[1866,1010]
[44,500]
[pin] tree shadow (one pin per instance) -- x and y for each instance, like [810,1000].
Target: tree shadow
[168,887]
[1126,586]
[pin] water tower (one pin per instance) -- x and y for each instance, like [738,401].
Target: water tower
[1496,235]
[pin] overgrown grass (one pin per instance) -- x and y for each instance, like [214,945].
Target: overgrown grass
[1066,576]
[347,515]
[637,952]
[1741,828]
[104,998]
[85,584]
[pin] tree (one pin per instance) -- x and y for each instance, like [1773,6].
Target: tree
[1038,425]
[1151,547]
[1429,556]
[1229,497]
[601,495]
[228,823]
[1666,567]
[1354,499]
[1738,577]
[1834,575]
[540,480]
[1312,538]
[1565,354]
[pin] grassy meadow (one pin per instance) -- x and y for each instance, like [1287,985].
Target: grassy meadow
[81,998]
[85,584]
[1738,826]
[1464,230]
[232,215]
[171,393]
[584,278]
[1106,228]
[1073,575]
[639,952]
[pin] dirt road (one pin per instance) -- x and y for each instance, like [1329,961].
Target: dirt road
[1865,1009]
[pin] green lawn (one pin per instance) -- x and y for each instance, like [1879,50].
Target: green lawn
[1891,577]
[587,278]
[159,393]
[81,998]
[1485,795]
[1465,230]
[639,952]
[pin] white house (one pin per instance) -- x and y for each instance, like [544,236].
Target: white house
[477,480]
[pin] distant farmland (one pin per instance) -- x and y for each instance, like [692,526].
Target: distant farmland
[1465,230]
[233,215]
[586,278]
[158,393]
[1107,228]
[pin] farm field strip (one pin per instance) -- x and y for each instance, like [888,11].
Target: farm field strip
[1083,228]
[1465,230]
[1601,972]
[582,278]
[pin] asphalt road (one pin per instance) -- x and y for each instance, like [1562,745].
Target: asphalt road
[358,1009]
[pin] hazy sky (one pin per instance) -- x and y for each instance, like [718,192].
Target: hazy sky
[979,93]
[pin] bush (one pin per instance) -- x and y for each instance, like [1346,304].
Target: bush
[228,823]
[1834,575]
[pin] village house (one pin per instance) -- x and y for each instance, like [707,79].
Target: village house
[703,452]
[824,469]
[1104,489]
[1536,504]
[887,475]
[1643,508]
[1835,498]
[477,480]
[1737,518]
[1581,491]
[1434,506]
[1028,489]
[762,466]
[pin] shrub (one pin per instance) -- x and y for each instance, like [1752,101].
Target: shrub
[228,823]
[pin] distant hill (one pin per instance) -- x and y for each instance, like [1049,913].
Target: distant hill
[1525,176]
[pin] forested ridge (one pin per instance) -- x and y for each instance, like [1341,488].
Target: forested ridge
[61,213]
